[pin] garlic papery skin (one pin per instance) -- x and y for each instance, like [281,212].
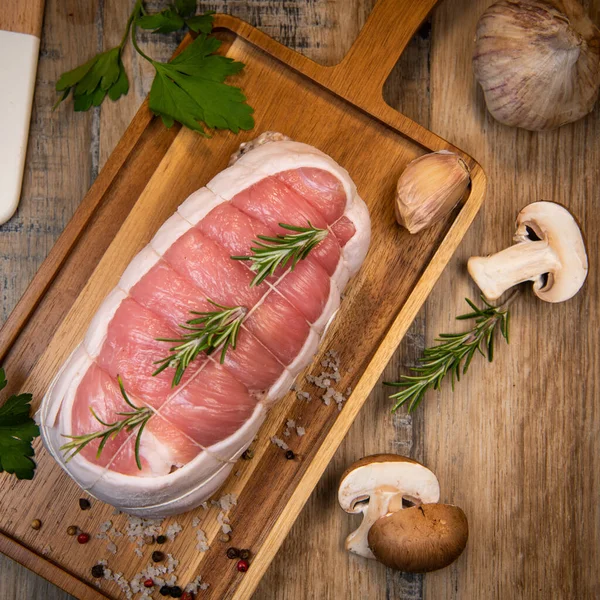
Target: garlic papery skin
[429,188]
[538,62]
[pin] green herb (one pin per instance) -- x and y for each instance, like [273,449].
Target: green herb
[454,353]
[189,89]
[272,252]
[138,418]
[209,331]
[17,432]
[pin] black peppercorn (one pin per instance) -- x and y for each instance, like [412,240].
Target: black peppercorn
[290,455]
[245,554]
[161,539]
[84,504]
[98,571]
[165,590]
[248,454]
[233,553]
[158,556]
[176,592]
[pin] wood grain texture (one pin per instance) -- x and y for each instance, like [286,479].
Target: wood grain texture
[388,298]
[25,16]
[516,444]
[533,513]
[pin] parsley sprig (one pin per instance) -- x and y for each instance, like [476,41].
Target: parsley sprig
[17,432]
[454,353]
[190,89]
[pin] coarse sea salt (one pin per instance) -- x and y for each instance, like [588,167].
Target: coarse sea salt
[202,545]
[279,442]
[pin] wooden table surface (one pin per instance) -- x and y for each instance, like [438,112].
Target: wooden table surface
[516,445]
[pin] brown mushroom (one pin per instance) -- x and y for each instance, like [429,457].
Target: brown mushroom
[378,485]
[420,539]
[549,251]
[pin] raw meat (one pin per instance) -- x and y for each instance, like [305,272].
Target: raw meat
[198,428]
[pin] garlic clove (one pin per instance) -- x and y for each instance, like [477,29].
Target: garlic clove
[538,62]
[429,188]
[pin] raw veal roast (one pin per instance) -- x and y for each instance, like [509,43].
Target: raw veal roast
[201,426]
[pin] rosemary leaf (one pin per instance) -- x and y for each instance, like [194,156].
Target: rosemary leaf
[138,417]
[207,332]
[454,353]
[272,252]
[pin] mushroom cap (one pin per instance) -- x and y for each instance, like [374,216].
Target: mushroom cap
[390,472]
[555,225]
[420,539]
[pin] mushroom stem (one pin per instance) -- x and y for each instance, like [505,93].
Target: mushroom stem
[378,505]
[526,261]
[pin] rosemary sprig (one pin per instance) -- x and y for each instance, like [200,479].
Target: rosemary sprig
[271,252]
[454,353]
[139,417]
[207,332]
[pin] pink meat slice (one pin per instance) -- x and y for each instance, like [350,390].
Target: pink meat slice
[100,392]
[343,229]
[251,363]
[210,268]
[131,349]
[211,407]
[323,190]
[161,438]
[280,327]
[232,229]
[306,288]
[170,295]
[272,202]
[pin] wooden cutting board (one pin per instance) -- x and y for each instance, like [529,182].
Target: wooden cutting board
[337,109]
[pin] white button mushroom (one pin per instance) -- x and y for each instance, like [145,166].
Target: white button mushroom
[376,486]
[549,251]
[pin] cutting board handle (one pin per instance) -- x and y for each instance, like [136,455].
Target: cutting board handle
[370,60]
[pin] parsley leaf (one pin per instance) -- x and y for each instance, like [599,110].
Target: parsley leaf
[91,82]
[190,88]
[166,21]
[201,23]
[17,431]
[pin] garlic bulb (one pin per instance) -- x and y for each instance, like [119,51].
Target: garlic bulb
[429,188]
[538,62]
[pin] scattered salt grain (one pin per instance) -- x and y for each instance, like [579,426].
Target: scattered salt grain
[193,586]
[202,545]
[138,552]
[300,431]
[46,550]
[173,530]
[111,547]
[195,522]
[123,584]
[228,501]
[279,442]
[105,526]
[290,423]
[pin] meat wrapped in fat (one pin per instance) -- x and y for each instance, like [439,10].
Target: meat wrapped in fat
[200,428]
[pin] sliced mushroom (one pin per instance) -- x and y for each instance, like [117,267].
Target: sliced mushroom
[420,539]
[376,486]
[549,251]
